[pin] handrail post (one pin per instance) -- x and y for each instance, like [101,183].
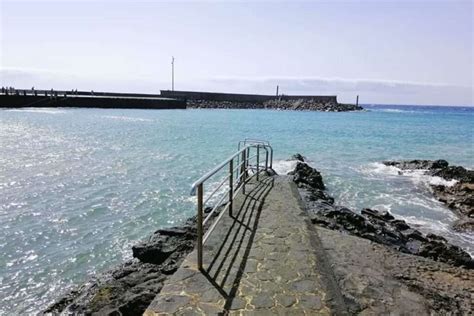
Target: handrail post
[244,170]
[231,184]
[266,159]
[199,224]
[258,160]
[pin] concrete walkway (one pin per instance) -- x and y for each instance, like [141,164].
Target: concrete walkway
[261,261]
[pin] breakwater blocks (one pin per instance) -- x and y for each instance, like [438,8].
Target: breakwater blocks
[215,100]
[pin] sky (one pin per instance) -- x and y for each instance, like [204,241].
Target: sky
[392,52]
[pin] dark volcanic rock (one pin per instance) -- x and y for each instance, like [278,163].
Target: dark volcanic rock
[280,104]
[298,157]
[459,197]
[305,176]
[164,243]
[380,227]
[455,172]
[418,164]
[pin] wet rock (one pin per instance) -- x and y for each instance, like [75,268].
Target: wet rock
[417,164]
[297,157]
[454,173]
[464,224]
[458,197]
[163,243]
[305,176]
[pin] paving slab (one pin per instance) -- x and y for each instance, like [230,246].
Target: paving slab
[260,260]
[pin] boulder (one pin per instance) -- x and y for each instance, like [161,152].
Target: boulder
[297,157]
[305,176]
[163,243]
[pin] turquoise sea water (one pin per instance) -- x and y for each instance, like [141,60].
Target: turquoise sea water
[78,187]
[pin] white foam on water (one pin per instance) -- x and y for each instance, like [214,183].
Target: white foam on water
[417,176]
[432,216]
[378,168]
[395,111]
[127,118]
[282,167]
[33,110]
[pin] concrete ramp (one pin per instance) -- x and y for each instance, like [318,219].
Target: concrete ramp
[262,260]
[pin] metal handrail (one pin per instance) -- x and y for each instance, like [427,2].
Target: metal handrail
[235,185]
[247,141]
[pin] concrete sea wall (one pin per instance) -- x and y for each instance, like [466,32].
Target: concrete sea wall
[97,101]
[237,97]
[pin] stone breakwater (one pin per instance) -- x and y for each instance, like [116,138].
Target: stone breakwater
[458,196]
[298,105]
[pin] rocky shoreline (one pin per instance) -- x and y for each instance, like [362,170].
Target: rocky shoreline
[129,288]
[405,256]
[380,227]
[282,104]
[381,265]
[457,193]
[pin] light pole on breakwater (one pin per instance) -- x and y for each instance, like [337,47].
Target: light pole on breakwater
[172,73]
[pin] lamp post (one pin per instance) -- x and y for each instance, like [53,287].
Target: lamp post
[172,73]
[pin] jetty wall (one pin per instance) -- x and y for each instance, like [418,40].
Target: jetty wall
[237,97]
[124,101]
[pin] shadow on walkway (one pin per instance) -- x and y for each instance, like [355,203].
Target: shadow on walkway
[228,257]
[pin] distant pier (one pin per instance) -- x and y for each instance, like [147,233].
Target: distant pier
[169,99]
[16,98]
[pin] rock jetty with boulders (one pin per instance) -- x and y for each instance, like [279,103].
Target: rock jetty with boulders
[380,227]
[458,196]
[276,104]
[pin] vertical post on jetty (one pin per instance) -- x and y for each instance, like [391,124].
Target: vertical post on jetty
[266,159]
[277,90]
[231,184]
[172,73]
[199,224]
[357,100]
[243,172]
[258,160]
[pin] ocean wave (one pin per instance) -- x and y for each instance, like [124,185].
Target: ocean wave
[127,118]
[282,167]
[418,176]
[389,110]
[42,111]
[394,111]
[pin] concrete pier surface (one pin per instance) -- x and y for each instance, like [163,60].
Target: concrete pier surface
[261,260]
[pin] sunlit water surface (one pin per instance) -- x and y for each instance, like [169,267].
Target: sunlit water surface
[78,187]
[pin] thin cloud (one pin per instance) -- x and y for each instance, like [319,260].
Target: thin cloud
[370,91]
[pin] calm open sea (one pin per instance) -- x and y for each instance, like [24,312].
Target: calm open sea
[78,187]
